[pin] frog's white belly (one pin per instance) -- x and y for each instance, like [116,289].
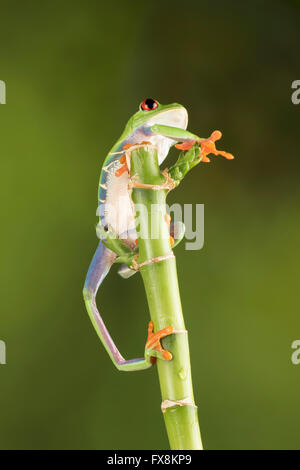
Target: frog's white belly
[119,207]
[119,211]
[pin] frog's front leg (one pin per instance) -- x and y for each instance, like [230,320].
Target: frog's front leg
[188,139]
[175,133]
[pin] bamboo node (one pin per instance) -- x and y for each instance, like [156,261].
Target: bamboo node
[136,266]
[170,403]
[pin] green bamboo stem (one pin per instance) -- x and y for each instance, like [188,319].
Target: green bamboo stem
[162,290]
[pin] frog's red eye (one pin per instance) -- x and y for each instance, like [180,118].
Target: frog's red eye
[149,104]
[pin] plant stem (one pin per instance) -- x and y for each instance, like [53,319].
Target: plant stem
[161,286]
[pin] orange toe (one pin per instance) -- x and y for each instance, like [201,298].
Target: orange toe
[121,170]
[185,145]
[208,146]
[153,340]
[216,135]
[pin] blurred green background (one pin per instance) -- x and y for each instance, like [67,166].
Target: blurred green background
[75,71]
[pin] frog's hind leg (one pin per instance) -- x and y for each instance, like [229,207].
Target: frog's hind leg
[100,266]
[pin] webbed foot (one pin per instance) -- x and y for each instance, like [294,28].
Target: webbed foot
[153,348]
[207,146]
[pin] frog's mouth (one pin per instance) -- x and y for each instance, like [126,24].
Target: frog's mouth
[174,117]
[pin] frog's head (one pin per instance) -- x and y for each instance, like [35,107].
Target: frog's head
[152,112]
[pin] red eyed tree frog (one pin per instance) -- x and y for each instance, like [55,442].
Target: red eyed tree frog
[163,126]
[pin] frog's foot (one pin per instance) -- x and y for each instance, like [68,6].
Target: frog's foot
[153,348]
[207,146]
[123,169]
